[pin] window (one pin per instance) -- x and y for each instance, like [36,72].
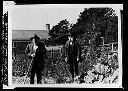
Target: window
[13,44]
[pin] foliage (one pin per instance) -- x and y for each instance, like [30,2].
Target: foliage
[57,32]
[92,24]
[103,68]
[56,70]
[59,29]
[97,21]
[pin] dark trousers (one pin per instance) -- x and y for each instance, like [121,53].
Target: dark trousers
[35,70]
[73,66]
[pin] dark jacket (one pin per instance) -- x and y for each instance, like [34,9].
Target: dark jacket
[39,54]
[72,51]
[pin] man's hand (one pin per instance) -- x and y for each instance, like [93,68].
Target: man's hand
[66,59]
[77,59]
[33,54]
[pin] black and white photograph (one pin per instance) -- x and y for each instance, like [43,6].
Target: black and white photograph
[65,45]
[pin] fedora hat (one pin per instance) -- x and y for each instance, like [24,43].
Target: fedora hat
[35,37]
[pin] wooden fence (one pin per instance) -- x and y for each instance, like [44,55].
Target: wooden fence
[54,51]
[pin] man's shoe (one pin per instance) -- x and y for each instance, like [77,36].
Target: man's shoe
[76,80]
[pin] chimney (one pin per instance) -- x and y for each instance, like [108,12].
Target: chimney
[48,27]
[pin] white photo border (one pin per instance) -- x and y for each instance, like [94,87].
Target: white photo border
[117,7]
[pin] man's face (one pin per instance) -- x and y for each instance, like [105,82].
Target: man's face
[33,40]
[70,38]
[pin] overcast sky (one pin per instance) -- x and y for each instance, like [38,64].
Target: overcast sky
[35,17]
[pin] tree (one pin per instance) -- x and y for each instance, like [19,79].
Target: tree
[61,28]
[97,22]
[59,31]
[92,24]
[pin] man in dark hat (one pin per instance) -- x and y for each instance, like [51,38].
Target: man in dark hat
[73,55]
[35,51]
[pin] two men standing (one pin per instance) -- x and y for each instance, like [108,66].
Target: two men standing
[35,51]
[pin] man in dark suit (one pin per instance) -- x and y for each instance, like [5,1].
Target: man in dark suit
[73,55]
[35,51]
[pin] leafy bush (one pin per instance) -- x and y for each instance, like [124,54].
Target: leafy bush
[101,68]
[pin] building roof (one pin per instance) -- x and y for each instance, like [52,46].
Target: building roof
[27,34]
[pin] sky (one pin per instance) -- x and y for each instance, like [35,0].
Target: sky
[35,17]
